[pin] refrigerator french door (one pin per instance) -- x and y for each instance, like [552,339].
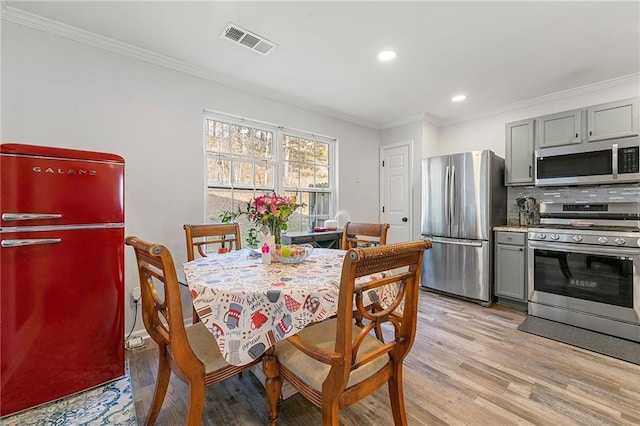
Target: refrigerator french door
[61,252]
[463,197]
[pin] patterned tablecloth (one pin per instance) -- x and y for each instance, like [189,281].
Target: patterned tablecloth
[249,306]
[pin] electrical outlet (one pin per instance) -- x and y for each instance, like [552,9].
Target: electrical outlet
[134,298]
[135,294]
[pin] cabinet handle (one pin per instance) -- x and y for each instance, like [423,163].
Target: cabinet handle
[520,249]
[576,135]
[529,170]
[590,133]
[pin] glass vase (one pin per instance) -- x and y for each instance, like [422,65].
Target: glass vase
[275,228]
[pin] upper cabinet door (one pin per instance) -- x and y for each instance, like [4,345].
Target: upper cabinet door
[559,129]
[613,120]
[519,153]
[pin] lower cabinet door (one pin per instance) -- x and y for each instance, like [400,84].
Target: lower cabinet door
[510,272]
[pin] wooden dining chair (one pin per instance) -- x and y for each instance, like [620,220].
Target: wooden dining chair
[335,363]
[190,352]
[364,234]
[203,238]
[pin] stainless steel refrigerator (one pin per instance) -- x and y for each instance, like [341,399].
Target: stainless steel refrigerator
[463,198]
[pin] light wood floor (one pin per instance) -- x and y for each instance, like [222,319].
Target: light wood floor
[469,366]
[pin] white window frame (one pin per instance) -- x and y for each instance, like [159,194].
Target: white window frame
[278,136]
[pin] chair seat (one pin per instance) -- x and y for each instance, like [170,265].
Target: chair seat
[205,347]
[314,372]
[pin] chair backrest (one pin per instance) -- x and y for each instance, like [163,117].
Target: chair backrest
[202,236]
[364,234]
[161,302]
[401,264]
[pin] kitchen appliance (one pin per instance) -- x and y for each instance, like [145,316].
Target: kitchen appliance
[62,251]
[615,161]
[584,266]
[463,198]
[528,211]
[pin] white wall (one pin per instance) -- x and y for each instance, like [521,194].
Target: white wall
[425,144]
[63,93]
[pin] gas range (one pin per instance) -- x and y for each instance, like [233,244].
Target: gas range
[604,224]
[583,266]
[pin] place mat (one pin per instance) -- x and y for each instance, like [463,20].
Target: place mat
[109,404]
[604,344]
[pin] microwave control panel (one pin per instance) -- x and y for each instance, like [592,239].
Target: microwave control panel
[628,160]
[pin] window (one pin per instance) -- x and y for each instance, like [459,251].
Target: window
[246,158]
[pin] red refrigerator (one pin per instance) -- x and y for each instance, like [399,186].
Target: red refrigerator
[62,288]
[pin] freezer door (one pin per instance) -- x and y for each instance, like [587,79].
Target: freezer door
[435,196]
[460,267]
[39,190]
[470,192]
[62,314]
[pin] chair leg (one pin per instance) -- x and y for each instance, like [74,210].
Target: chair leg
[396,395]
[330,413]
[162,383]
[272,383]
[196,401]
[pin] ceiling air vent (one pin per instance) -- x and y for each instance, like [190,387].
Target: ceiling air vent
[238,35]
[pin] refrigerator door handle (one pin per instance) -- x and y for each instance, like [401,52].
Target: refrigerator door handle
[32,242]
[446,196]
[30,216]
[452,194]
[456,242]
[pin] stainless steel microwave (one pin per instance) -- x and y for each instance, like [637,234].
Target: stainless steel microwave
[589,163]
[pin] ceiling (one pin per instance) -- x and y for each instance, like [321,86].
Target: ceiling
[500,54]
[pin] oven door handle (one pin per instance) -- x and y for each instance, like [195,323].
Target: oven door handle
[578,248]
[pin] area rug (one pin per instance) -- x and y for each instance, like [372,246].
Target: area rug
[109,404]
[604,344]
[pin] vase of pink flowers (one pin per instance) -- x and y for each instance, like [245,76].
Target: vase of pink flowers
[272,210]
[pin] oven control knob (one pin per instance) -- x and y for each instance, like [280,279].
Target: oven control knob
[541,236]
[619,241]
[603,240]
[555,237]
[577,238]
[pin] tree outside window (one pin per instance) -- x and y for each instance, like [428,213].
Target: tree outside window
[245,159]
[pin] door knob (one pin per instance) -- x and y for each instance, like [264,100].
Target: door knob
[404,219]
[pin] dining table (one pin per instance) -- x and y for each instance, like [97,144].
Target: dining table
[249,306]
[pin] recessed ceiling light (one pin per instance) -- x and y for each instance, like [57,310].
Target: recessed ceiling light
[386,55]
[459,98]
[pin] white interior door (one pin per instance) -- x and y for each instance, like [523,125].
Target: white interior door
[396,190]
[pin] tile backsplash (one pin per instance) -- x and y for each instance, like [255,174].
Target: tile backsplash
[569,194]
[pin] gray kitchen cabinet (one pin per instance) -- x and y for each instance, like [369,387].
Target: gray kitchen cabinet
[612,120]
[519,152]
[510,266]
[562,128]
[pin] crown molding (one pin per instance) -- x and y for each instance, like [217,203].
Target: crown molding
[423,116]
[30,20]
[589,88]
[17,16]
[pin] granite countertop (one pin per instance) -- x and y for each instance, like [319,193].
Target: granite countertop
[511,228]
